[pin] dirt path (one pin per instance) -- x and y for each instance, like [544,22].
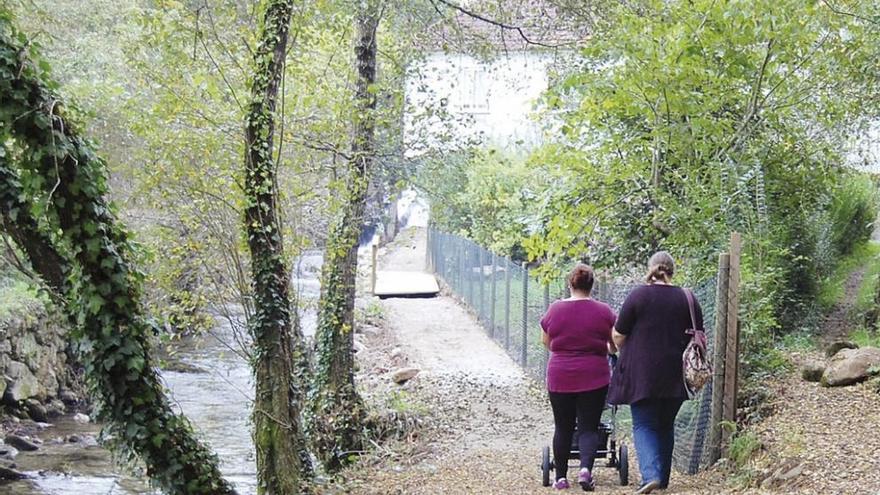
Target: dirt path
[488,421]
[831,432]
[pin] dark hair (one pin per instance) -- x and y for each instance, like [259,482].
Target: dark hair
[581,278]
[660,267]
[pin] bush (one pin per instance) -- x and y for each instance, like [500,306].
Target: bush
[852,212]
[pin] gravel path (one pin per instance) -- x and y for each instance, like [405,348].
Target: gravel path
[488,421]
[833,432]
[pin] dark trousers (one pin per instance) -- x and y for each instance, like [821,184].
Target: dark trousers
[585,408]
[654,436]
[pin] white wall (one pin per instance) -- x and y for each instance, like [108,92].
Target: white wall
[491,102]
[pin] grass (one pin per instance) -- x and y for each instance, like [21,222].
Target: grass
[17,298]
[864,337]
[832,288]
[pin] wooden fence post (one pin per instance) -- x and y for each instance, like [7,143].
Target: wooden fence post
[718,356]
[731,362]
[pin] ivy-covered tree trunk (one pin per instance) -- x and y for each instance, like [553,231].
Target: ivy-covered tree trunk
[101,288]
[283,464]
[338,413]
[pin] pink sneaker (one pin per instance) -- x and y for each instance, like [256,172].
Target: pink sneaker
[585,479]
[561,484]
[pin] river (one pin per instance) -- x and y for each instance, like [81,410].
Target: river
[217,400]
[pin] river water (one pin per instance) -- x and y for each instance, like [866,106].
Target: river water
[217,400]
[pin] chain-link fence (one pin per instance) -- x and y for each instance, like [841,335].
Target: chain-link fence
[509,301]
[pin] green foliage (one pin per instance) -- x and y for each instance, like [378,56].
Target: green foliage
[490,196]
[865,337]
[17,297]
[853,212]
[743,446]
[864,255]
[61,173]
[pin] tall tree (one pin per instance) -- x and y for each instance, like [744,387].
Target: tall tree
[283,464]
[338,411]
[81,251]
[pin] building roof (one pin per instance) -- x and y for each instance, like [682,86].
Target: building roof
[461,25]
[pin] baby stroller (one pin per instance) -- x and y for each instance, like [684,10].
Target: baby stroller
[617,456]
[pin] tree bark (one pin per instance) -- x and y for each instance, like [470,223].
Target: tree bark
[283,464]
[338,412]
[85,245]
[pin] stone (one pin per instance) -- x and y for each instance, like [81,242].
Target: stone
[851,366]
[396,352]
[22,383]
[74,438]
[21,443]
[9,473]
[404,375]
[8,452]
[81,418]
[37,411]
[358,347]
[836,347]
[55,408]
[812,371]
[69,398]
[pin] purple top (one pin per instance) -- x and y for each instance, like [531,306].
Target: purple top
[654,319]
[579,331]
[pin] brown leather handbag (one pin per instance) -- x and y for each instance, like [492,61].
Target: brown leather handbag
[695,365]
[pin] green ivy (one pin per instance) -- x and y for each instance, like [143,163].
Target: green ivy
[61,170]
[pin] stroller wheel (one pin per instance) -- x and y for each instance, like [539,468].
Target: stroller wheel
[546,465]
[623,466]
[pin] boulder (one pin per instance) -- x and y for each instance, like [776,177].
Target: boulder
[404,375]
[8,452]
[37,411]
[81,418]
[851,366]
[812,371]
[55,408]
[21,443]
[22,383]
[69,398]
[9,473]
[836,347]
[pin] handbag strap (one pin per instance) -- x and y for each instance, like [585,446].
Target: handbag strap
[690,299]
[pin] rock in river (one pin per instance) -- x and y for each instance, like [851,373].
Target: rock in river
[20,443]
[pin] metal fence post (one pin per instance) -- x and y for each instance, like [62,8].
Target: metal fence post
[429,252]
[524,358]
[546,351]
[460,288]
[470,276]
[507,270]
[718,355]
[492,300]
[482,312]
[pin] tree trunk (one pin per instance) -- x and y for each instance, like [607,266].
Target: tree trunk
[338,412]
[101,288]
[283,465]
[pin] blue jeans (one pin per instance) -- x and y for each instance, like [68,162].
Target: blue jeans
[654,436]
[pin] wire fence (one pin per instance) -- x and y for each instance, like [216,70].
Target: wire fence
[509,301]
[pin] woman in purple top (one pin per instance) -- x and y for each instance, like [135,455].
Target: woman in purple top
[650,333]
[577,331]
